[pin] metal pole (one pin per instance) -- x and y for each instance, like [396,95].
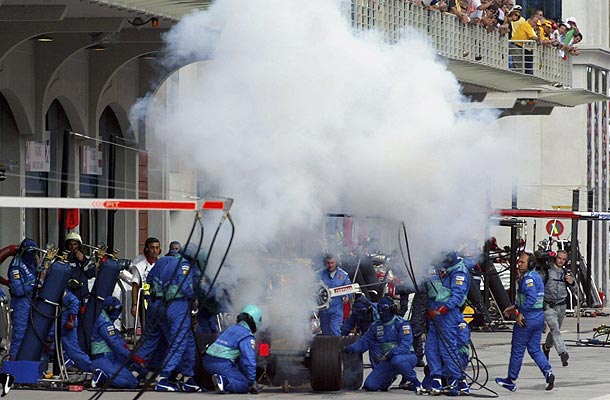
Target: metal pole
[587,284]
[573,260]
[513,247]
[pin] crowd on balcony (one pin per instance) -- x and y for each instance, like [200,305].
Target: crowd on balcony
[507,17]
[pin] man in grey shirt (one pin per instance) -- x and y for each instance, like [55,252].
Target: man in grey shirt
[555,293]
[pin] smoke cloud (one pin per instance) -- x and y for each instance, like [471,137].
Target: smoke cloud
[294,116]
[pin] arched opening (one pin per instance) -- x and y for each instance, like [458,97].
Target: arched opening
[117,180]
[9,169]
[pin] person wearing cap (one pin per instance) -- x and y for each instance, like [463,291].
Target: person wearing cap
[560,34]
[573,29]
[22,278]
[522,30]
[546,33]
[81,267]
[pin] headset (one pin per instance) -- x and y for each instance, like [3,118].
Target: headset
[531,261]
[363,311]
[393,306]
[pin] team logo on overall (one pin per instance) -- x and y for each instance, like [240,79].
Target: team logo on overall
[380,331]
[252,342]
[185,270]
[406,329]
[459,280]
[110,330]
[529,282]
[16,274]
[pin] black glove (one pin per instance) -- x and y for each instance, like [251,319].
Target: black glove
[255,389]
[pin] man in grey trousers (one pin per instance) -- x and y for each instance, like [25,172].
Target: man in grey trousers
[555,293]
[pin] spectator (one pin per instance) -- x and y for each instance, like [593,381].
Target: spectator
[573,49]
[477,8]
[522,30]
[546,34]
[558,278]
[572,30]
[332,317]
[454,7]
[560,35]
[527,309]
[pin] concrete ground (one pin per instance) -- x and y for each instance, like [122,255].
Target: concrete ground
[586,377]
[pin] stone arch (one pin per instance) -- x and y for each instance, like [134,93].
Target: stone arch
[22,119]
[76,122]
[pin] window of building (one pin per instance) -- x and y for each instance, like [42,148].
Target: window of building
[551,8]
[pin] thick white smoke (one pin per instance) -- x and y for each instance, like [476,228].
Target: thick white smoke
[294,116]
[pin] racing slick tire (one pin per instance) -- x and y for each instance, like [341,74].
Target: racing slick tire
[353,368]
[202,377]
[327,363]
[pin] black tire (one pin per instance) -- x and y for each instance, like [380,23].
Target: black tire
[326,364]
[353,368]
[202,377]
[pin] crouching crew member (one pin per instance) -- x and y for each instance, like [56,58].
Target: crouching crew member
[363,314]
[390,341]
[109,352]
[69,323]
[231,359]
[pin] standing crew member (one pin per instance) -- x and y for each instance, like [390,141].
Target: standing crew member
[555,293]
[231,359]
[172,280]
[333,276]
[527,331]
[22,278]
[447,292]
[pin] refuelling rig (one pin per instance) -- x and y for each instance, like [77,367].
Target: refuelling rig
[30,365]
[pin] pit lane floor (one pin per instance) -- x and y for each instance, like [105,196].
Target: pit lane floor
[586,377]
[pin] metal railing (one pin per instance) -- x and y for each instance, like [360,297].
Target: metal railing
[456,40]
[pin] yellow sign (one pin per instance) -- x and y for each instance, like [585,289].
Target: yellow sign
[468,314]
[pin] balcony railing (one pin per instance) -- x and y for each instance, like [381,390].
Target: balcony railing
[458,41]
